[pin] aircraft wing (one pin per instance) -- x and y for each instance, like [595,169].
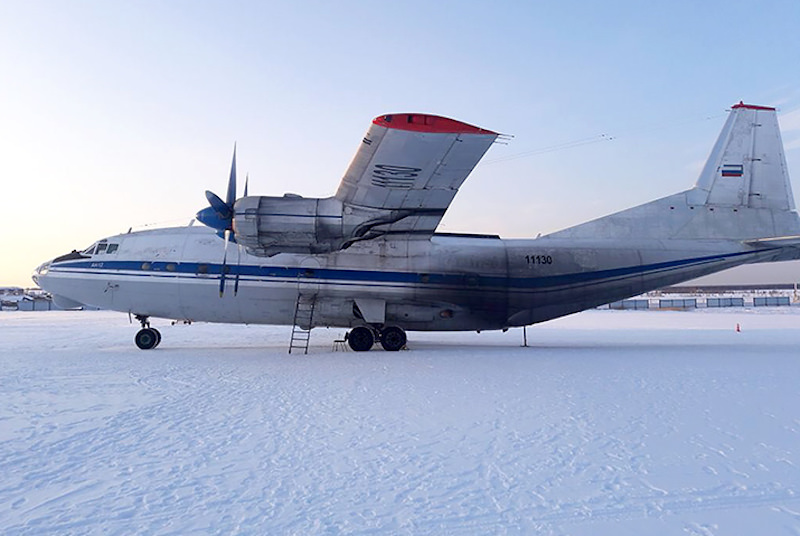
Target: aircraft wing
[412,165]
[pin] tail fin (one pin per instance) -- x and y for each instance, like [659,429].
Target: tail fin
[742,193]
[747,167]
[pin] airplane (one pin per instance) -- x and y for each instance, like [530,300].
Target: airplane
[369,258]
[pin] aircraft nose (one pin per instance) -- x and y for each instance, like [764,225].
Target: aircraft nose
[40,271]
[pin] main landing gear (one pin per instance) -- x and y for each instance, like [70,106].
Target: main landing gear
[362,338]
[147,338]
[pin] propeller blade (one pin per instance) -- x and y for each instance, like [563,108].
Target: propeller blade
[246,180]
[231,197]
[238,263]
[209,216]
[224,266]
[219,206]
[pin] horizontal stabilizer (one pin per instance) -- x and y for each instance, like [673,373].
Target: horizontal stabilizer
[778,241]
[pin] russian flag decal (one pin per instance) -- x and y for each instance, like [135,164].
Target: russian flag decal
[732,170]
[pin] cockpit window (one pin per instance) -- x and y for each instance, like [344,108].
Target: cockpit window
[100,248]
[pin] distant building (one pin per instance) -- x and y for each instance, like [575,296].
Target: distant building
[752,276]
[10,296]
[11,293]
[36,304]
[30,299]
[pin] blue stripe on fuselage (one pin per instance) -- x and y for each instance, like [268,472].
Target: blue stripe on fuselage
[334,275]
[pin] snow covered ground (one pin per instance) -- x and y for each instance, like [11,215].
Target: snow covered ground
[611,422]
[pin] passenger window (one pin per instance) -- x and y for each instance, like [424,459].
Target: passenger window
[112,248]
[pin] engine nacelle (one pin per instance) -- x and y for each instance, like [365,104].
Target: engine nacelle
[271,225]
[267,226]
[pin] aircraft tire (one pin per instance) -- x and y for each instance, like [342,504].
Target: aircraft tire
[147,338]
[158,337]
[393,338]
[361,339]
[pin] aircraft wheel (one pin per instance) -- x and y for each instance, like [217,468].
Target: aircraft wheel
[393,338]
[147,338]
[361,339]
[158,337]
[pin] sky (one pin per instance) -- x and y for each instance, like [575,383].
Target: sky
[121,114]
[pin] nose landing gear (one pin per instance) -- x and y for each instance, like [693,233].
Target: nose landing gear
[147,338]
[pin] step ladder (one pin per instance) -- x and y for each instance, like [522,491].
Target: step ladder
[301,328]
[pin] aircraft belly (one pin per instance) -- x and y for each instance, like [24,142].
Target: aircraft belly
[267,304]
[461,286]
[200,301]
[152,296]
[452,310]
[80,288]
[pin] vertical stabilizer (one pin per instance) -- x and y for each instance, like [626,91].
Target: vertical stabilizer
[743,192]
[747,167]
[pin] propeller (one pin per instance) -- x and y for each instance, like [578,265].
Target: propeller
[219,216]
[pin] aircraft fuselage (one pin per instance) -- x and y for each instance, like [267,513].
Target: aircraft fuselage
[447,283]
